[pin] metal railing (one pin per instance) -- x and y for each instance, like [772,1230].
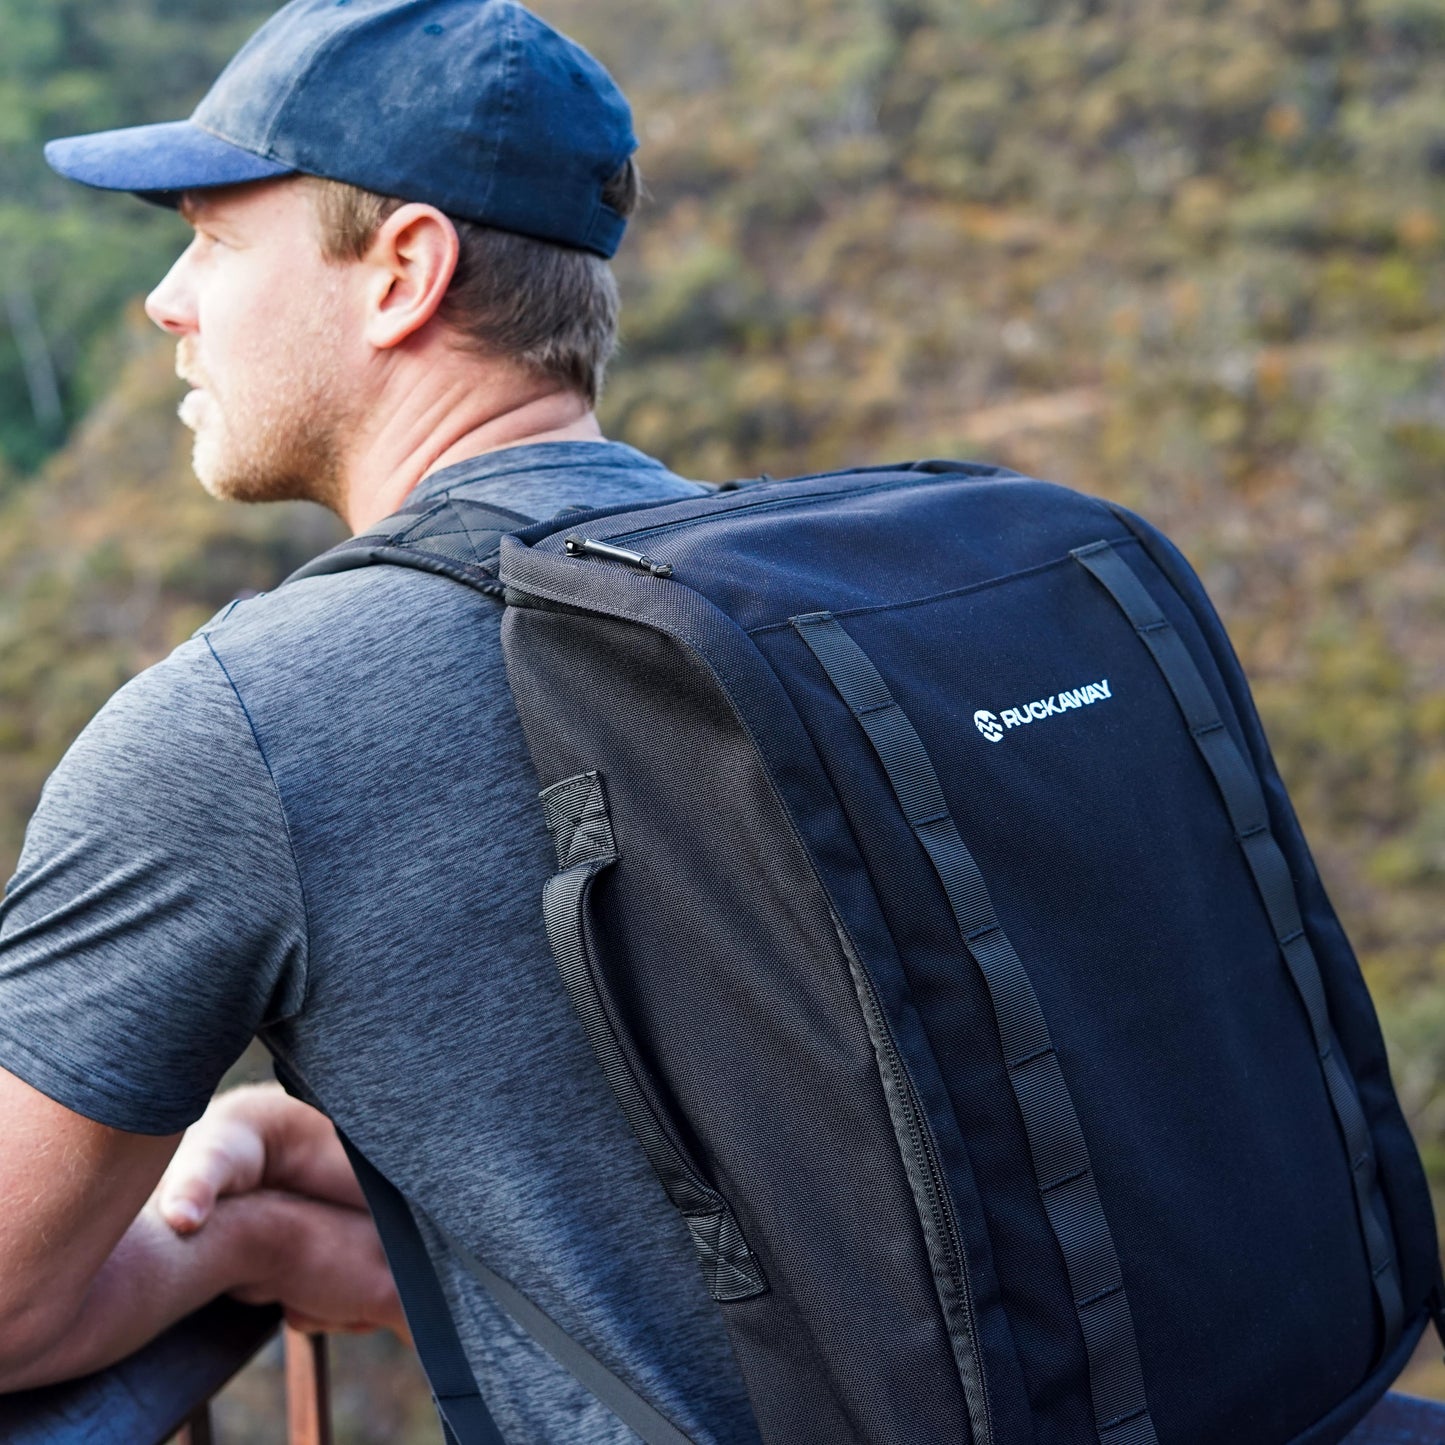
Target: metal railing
[164,1391]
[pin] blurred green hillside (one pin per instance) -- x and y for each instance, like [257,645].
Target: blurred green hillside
[70,263]
[1187,255]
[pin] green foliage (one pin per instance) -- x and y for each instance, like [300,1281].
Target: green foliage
[72,258]
[111,557]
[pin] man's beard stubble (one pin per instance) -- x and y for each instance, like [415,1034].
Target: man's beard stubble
[285,445]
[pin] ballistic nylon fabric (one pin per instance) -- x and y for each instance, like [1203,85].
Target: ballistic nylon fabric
[1245,804]
[1356,1026]
[1056,1143]
[720,951]
[577,816]
[1113,869]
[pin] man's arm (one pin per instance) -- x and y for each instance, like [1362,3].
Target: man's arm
[89,1271]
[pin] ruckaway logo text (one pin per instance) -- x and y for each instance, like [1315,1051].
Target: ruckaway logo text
[993,726]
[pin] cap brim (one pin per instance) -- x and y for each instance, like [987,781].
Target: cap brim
[158,162]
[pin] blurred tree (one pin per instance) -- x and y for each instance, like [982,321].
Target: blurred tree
[71,261]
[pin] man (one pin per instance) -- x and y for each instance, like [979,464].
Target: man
[316,821]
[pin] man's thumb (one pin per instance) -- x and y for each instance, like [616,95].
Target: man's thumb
[186,1207]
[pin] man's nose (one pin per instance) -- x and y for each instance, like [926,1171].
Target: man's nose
[171,305]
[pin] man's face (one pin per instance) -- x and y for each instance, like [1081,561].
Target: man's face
[260,316]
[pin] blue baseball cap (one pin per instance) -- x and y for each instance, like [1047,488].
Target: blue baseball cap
[476,107]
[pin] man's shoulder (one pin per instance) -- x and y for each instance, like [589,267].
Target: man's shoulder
[336,615]
[180,700]
[150,766]
[388,622]
[347,673]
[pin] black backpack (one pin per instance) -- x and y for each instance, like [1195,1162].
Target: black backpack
[940,921]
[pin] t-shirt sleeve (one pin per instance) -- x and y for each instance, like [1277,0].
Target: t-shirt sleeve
[155,922]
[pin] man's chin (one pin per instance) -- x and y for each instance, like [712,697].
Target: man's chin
[192,408]
[230,484]
[215,480]
[216,487]
[225,483]
[227,488]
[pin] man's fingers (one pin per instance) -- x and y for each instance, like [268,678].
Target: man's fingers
[217,1156]
[186,1206]
[183,1214]
[190,1186]
[330,1272]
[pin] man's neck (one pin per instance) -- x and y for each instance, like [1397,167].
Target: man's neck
[526,426]
[417,442]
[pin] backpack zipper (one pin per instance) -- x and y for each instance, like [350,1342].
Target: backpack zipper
[756,505]
[929,1172]
[586,546]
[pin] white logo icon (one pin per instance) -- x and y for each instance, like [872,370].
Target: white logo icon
[994,725]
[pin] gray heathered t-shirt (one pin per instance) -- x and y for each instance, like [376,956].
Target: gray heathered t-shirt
[317,821]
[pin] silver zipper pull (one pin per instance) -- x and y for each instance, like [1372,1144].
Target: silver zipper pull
[585,546]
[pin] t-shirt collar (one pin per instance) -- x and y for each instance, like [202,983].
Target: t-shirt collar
[513,476]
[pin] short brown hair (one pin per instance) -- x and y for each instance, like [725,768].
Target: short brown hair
[549,307]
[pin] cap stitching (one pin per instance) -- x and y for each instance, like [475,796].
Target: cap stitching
[265,154]
[606,224]
[325,42]
[591,240]
[510,42]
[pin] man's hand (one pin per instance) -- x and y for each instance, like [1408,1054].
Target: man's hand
[85,1279]
[325,1266]
[255,1137]
[257,1146]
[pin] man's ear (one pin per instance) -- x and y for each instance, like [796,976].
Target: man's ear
[412,259]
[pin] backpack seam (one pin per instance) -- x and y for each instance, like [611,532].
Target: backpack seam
[1038,569]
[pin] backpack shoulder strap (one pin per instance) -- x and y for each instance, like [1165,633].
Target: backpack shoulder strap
[453,537]
[464,1415]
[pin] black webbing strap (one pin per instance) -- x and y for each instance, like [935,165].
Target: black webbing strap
[1056,1143]
[464,1417]
[581,828]
[1245,803]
